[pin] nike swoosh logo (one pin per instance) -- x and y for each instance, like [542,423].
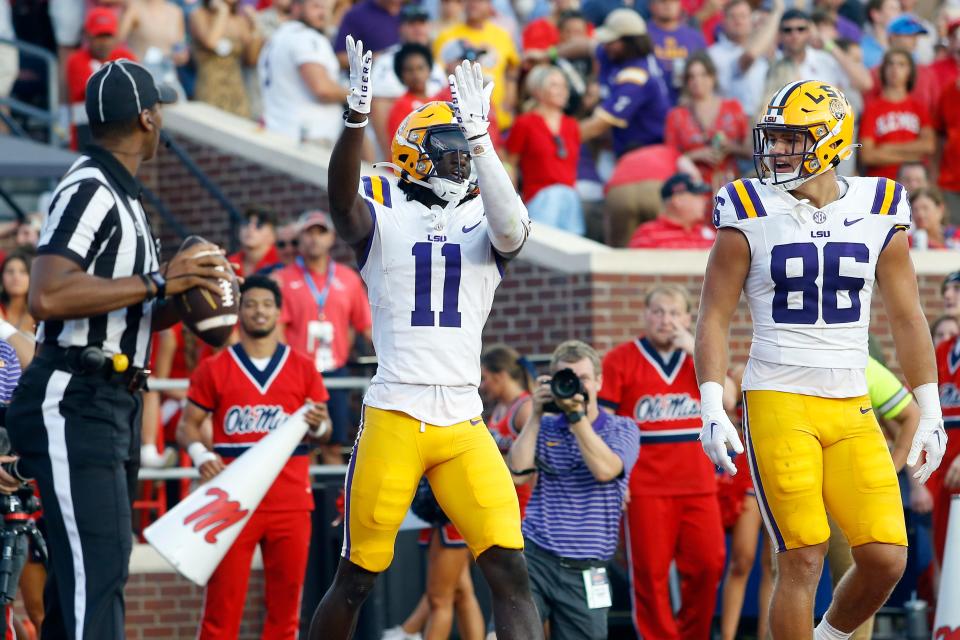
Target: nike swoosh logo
[467,229]
[847,223]
[476,422]
[866,411]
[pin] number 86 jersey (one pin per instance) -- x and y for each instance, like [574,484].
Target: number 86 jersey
[431,288]
[811,276]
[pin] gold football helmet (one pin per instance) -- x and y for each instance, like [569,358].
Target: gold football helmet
[424,137]
[819,121]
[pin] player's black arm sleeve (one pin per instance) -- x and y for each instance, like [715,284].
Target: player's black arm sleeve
[350,213]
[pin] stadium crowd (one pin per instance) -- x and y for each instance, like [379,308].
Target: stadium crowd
[597,104]
[617,121]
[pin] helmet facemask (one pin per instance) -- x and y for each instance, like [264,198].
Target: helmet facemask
[800,149]
[449,153]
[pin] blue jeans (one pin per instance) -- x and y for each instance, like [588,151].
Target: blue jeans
[558,206]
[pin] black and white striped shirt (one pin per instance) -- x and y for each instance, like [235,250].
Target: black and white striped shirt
[96,220]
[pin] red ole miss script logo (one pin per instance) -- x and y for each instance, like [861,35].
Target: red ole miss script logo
[947,633]
[219,515]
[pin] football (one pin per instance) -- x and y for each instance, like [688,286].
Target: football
[209,316]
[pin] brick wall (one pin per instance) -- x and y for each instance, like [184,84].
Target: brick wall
[165,606]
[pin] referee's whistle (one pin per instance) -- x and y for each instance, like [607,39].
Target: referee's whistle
[120,362]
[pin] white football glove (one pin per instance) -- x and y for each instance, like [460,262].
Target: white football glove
[471,99]
[360,89]
[717,431]
[931,436]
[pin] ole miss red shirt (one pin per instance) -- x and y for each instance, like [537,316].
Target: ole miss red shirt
[948,377]
[660,393]
[248,403]
[884,121]
[664,233]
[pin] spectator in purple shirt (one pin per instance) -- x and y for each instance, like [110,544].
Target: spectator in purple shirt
[375,22]
[846,28]
[673,42]
[636,102]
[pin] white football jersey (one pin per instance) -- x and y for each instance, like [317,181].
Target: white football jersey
[811,276]
[430,292]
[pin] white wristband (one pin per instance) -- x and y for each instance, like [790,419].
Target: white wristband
[321,429]
[711,397]
[6,329]
[200,454]
[928,397]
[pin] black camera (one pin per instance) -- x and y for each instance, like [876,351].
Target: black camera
[13,469]
[564,384]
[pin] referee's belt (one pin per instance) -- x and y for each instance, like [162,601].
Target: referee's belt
[92,361]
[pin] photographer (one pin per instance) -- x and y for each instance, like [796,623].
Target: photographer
[10,485]
[583,458]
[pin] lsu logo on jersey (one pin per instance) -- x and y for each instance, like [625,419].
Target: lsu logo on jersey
[667,406]
[259,418]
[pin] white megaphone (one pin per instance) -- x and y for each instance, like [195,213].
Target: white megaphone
[196,534]
[947,621]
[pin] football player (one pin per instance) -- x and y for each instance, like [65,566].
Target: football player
[431,243]
[807,246]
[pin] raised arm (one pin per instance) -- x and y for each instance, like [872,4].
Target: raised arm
[350,213]
[507,221]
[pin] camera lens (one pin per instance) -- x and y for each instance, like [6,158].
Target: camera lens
[565,384]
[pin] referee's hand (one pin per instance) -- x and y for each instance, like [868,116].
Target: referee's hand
[201,265]
[8,484]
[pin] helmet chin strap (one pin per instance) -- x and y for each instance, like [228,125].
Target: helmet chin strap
[447,190]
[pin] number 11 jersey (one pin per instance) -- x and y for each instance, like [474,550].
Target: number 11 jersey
[430,287]
[812,273]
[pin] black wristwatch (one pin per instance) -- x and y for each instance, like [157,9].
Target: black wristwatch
[160,283]
[574,417]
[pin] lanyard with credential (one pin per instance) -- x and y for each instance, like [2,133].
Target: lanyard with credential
[320,297]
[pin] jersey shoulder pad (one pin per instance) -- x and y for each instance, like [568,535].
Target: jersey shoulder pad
[379,189]
[885,197]
[632,75]
[740,201]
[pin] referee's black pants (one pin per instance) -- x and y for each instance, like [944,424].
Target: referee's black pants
[79,437]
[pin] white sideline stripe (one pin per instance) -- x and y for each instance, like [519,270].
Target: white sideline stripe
[55,425]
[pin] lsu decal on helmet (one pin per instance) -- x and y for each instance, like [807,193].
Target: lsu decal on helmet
[806,129]
[422,142]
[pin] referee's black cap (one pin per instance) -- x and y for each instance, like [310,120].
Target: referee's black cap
[121,89]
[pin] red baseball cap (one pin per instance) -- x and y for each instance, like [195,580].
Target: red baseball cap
[314,218]
[101,21]
[952,26]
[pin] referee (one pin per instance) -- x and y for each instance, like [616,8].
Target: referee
[99,290]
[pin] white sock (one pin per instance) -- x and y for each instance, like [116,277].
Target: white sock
[826,631]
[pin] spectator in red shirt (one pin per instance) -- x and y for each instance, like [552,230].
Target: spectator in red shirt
[944,72]
[680,225]
[101,46]
[946,121]
[710,130]
[632,194]
[543,33]
[412,64]
[258,238]
[544,146]
[324,307]
[895,127]
[928,230]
